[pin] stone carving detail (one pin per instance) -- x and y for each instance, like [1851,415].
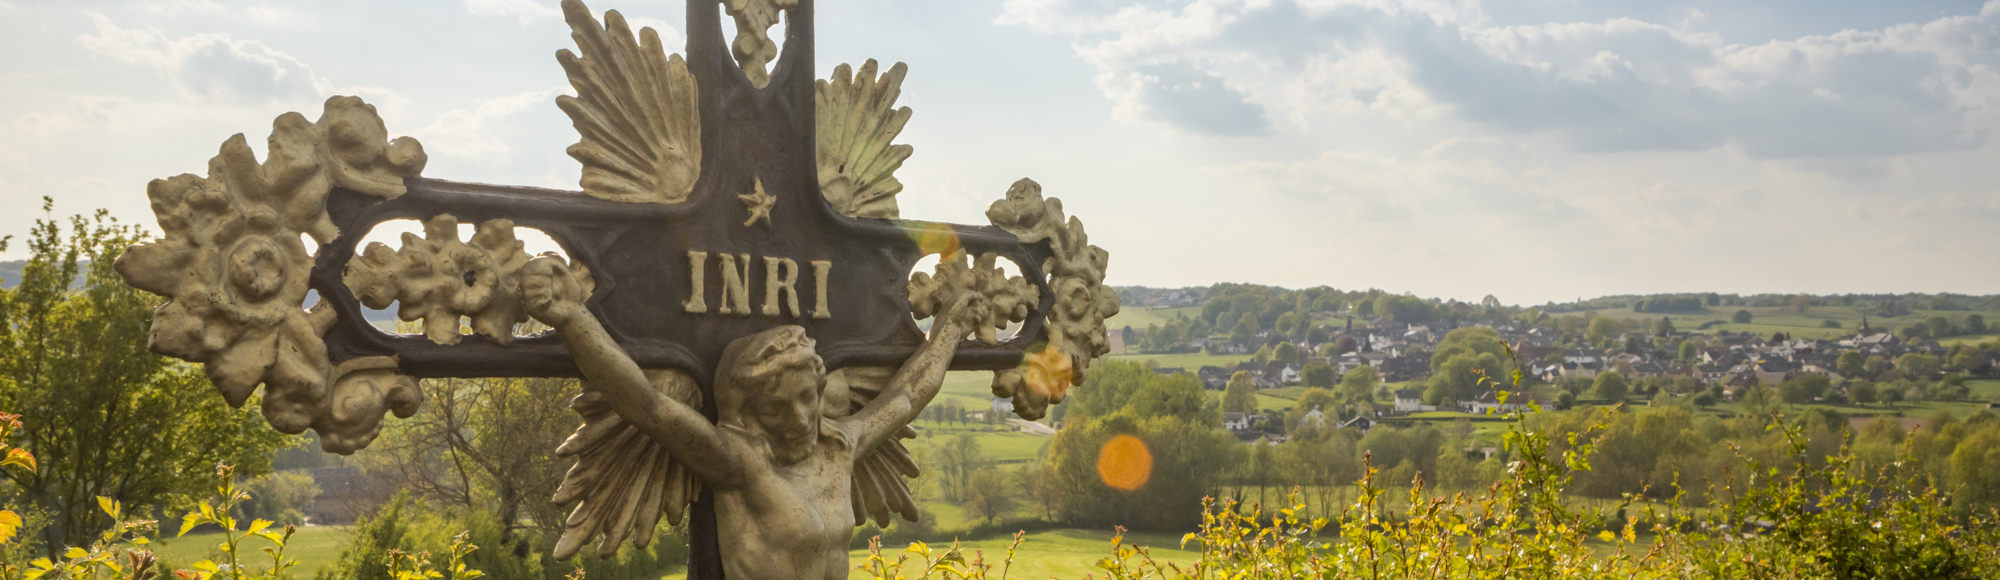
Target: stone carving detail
[438,279]
[1075,326]
[758,203]
[858,119]
[234,270]
[624,479]
[753,46]
[1008,299]
[634,110]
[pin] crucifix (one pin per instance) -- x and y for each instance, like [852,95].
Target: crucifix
[735,288]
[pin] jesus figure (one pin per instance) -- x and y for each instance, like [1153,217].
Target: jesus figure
[779,470]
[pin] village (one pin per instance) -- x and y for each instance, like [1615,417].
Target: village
[1702,369]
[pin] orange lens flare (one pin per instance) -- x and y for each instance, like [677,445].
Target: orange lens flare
[1048,372]
[1124,463]
[938,239]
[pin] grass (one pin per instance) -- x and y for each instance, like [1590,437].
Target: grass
[1970,339]
[1069,553]
[1139,317]
[313,546]
[1190,361]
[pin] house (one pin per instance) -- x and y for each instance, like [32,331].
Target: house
[1774,371]
[1361,422]
[1411,401]
[1314,418]
[1285,372]
[1490,401]
[1213,377]
[1403,368]
[1238,422]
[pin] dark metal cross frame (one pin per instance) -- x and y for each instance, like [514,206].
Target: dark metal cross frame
[637,251]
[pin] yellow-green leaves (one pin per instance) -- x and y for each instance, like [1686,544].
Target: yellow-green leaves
[19,457]
[10,523]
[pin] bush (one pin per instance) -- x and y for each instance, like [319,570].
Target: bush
[281,497]
[411,525]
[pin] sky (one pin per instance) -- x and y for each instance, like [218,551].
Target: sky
[1541,150]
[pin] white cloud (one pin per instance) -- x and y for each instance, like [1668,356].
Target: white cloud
[208,67]
[468,132]
[527,11]
[178,6]
[1622,84]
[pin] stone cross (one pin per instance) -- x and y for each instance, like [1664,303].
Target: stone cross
[729,214]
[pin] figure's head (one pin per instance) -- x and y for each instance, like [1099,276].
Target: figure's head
[770,382]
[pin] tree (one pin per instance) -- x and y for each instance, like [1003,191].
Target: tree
[1918,364]
[1889,395]
[1240,396]
[1704,400]
[1316,398]
[1852,364]
[1359,384]
[103,416]
[1565,400]
[1688,351]
[987,494]
[1345,344]
[1741,317]
[485,444]
[1875,366]
[1939,326]
[957,460]
[1664,328]
[1246,328]
[1286,352]
[1609,385]
[1633,345]
[1975,467]
[1603,327]
[1861,391]
[1975,324]
[1318,374]
[1187,462]
[1262,356]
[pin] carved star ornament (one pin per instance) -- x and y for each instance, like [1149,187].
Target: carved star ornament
[664,143]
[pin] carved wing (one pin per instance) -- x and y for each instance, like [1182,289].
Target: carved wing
[878,489]
[624,479]
[634,110]
[858,118]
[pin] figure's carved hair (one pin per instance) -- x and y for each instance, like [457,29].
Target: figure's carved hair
[749,362]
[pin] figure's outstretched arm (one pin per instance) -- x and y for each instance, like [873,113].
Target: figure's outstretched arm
[553,297]
[920,378]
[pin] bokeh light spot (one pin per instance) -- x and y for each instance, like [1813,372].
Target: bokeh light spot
[1048,372]
[938,239]
[1125,463]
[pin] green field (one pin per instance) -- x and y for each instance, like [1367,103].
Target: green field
[1769,319]
[1054,553]
[1138,317]
[1191,361]
[312,546]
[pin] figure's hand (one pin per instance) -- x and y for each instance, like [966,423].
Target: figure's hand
[967,312]
[551,293]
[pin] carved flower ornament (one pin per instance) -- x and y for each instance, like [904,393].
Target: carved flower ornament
[234,270]
[1074,333]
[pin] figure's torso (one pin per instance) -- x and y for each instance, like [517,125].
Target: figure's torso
[787,521]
